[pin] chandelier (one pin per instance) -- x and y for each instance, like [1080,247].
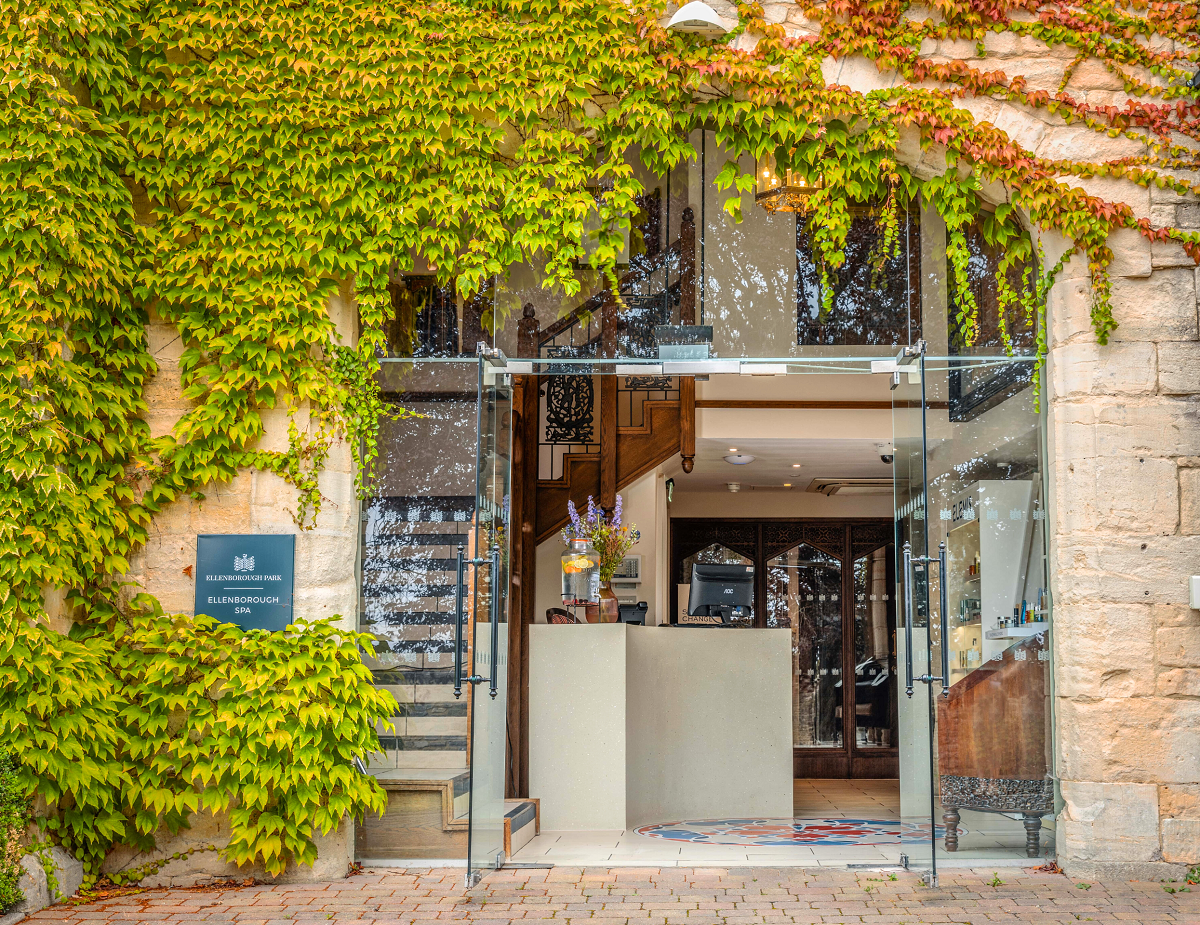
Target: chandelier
[787,194]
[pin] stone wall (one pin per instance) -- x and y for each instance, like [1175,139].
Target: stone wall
[326,581]
[1124,435]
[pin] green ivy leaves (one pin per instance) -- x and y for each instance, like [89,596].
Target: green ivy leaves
[128,734]
[237,168]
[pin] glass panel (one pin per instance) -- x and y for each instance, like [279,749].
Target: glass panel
[715,554]
[421,509]
[874,293]
[994,756]
[912,586]
[489,639]
[804,591]
[875,715]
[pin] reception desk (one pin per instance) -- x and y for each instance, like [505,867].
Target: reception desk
[634,725]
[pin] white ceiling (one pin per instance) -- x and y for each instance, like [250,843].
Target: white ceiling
[774,459]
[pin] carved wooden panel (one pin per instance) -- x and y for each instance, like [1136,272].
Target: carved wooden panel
[993,723]
[866,538]
[692,536]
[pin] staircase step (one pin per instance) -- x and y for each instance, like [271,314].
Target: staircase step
[414,618]
[522,821]
[425,743]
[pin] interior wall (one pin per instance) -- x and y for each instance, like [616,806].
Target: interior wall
[749,268]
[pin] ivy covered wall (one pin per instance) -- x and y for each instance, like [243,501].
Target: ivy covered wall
[225,171]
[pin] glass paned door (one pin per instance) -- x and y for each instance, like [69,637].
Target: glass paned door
[994,786]
[914,642]
[488,636]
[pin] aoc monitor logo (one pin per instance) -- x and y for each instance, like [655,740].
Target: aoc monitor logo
[243,563]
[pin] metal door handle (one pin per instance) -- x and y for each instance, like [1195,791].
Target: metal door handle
[495,616]
[908,621]
[942,581]
[458,626]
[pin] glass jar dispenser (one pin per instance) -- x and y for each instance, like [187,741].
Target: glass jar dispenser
[580,574]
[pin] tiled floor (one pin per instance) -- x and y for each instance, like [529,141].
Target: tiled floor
[653,896]
[995,839]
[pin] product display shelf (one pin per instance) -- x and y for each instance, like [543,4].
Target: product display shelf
[988,547]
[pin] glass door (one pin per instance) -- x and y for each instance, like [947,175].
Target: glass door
[488,624]
[916,638]
[994,794]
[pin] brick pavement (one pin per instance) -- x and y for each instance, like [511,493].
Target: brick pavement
[652,896]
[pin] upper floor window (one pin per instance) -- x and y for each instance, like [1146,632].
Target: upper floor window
[876,296]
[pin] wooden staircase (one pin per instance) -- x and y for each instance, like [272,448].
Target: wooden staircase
[638,450]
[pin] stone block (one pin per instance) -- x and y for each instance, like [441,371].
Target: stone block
[208,833]
[1181,840]
[1069,310]
[1187,215]
[35,886]
[1108,822]
[1131,253]
[1086,669]
[1179,368]
[1143,740]
[776,12]
[1113,427]
[343,312]
[1082,368]
[1110,494]
[1161,308]
[1179,682]
[1124,569]
[1189,501]
[161,423]
[1180,801]
[164,342]
[1080,143]
[1020,124]
[1092,75]
[861,75]
[1174,615]
[1179,646]
[1053,246]
[1164,254]
[1111,189]
[1013,45]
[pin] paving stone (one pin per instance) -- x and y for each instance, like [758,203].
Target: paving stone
[673,896]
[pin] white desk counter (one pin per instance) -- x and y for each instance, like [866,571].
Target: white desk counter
[633,725]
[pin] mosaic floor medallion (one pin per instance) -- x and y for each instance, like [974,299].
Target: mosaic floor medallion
[765,832]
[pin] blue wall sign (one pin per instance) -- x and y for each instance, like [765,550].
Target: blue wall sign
[246,579]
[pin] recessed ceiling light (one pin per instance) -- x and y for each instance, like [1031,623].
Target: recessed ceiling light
[733,449]
[739,459]
[795,465]
[787,484]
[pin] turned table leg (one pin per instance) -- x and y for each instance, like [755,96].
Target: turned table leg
[1033,834]
[951,818]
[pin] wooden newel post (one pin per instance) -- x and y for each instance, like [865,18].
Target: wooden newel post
[529,331]
[687,315]
[687,421]
[687,267]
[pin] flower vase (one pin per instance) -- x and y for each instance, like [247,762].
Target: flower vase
[606,610]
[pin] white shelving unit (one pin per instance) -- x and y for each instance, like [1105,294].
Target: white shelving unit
[992,523]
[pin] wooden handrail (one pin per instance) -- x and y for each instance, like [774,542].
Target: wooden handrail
[596,302]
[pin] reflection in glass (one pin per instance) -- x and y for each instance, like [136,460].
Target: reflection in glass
[874,299]
[804,591]
[715,554]
[875,720]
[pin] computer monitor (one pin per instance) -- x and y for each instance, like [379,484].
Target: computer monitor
[721,591]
